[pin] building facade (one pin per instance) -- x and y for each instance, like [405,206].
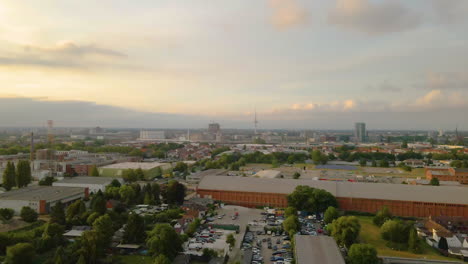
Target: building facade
[152,135]
[360,132]
[448,174]
[402,200]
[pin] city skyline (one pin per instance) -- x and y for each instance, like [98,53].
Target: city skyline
[300,64]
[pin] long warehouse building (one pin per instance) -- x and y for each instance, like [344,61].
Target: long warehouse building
[402,200]
[41,198]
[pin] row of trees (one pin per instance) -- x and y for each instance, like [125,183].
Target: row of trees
[19,176]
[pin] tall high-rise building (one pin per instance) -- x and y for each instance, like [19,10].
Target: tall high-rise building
[214,128]
[360,132]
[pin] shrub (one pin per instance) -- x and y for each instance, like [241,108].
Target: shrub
[28,214]
[7,213]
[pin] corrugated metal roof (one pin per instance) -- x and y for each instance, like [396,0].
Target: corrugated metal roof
[36,193]
[384,191]
[317,249]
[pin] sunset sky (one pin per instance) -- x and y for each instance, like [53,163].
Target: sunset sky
[180,63]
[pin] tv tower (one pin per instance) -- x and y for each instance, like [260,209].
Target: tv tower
[255,122]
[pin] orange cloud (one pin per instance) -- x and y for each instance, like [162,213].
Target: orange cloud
[287,13]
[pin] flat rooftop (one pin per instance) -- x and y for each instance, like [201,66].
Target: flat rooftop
[317,249]
[135,165]
[86,180]
[383,191]
[36,193]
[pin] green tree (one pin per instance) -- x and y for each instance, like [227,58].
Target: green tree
[156,191]
[231,240]
[318,157]
[21,253]
[192,228]
[396,231]
[362,162]
[291,224]
[296,175]
[413,242]
[134,232]
[81,260]
[91,247]
[47,181]
[104,229]
[115,183]
[92,217]
[374,163]
[127,193]
[290,211]
[363,254]
[163,240]
[94,171]
[129,175]
[74,211]
[28,214]
[57,214]
[23,173]
[404,145]
[345,230]
[59,256]
[162,259]
[149,199]
[384,163]
[305,198]
[181,167]
[382,216]
[331,214]
[175,192]
[98,203]
[435,182]
[6,213]
[9,178]
[140,175]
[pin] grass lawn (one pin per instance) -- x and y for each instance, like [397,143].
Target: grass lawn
[370,234]
[130,259]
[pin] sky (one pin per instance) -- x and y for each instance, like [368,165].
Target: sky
[300,64]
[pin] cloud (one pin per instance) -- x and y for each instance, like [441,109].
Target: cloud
[385,86]
[447,80]
[373,17]
[287,14]
[450,11]
[437,99]
[73,49]
[62,55]
[33,112]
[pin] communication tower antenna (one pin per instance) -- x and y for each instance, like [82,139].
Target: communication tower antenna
[255,122]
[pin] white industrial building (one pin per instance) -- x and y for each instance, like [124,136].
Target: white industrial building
[94,184]
[40,198]
[152,135]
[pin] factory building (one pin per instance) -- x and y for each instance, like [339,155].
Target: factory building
[40,198]
[448,174]
[402,200]
[94,184]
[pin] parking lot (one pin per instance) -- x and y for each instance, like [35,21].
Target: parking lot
[244,217]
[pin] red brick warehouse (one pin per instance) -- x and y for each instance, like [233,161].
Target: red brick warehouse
[402,200]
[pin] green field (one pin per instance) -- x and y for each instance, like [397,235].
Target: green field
[370,234]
